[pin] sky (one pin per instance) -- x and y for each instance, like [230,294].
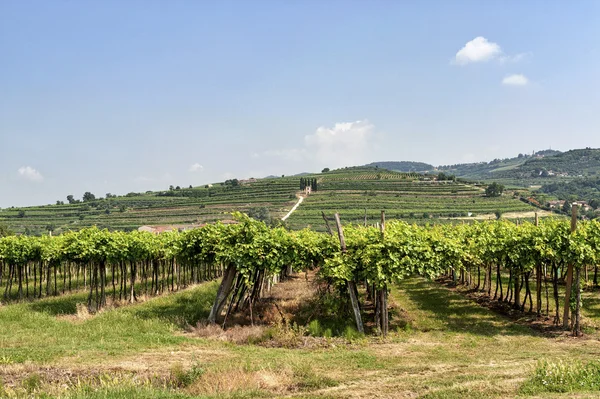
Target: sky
[120,96]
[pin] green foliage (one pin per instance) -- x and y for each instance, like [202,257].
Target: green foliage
[260,213]
[494,190]
[5,231]
[32,382]
[87,196]
[181,377]
[563,376]
[308,379]
[403,166]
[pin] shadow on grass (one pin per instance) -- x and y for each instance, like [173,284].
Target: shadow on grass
[450,311]
[182,309]
[591,304]
[60,305]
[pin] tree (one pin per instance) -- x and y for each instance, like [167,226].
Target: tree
[171,188]
[594,203]
[5,231]
[498,214]
[87,196]
[260,213]
[566,207]
[60,202]
[325,170]
[70,199]
[494,190]
[21,213]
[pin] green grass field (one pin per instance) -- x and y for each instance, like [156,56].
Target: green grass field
[442,345]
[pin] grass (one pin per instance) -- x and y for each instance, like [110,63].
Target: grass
[33,333]
[564,376]
[442,345]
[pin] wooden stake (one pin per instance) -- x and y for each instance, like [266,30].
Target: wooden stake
[577,330]
[569,282]
[350,284]
[327,223]
[383,291]
[538,280]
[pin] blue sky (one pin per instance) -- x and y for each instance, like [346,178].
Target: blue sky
[120,96]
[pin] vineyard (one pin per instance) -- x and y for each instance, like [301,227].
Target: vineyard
[92,296]
[360,195]
[406,196]
[187,206]
[250,257]
[371,272]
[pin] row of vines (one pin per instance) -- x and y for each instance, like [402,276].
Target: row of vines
[507,261]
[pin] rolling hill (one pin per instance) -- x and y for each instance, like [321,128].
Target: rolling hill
[413,197]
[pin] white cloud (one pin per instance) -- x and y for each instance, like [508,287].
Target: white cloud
[343,144]
[515,80]
[29,173]
[196,168]
[478,50]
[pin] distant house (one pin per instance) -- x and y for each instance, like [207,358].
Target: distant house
[556,204]
[246,181]
[583,205]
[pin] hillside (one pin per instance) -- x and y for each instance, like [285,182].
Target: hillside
[544,167]
[409,196]
[403,166]
[173,207]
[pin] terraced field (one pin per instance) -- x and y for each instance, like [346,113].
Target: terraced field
[179,207]
[409,196]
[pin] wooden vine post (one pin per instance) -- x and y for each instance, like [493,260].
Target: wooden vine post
[327,223]
[569,282]
[222,293]
[382,298]
[538,279]
[351,284]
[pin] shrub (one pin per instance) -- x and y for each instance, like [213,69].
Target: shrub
[183,378]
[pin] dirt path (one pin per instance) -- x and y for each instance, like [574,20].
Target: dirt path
[300,199]
[508,215]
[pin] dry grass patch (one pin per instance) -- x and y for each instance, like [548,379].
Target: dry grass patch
[229,381]
[235,334]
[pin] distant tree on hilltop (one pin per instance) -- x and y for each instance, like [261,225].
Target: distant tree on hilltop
[87,196]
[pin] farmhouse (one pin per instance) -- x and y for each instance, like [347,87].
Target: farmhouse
[556,204]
